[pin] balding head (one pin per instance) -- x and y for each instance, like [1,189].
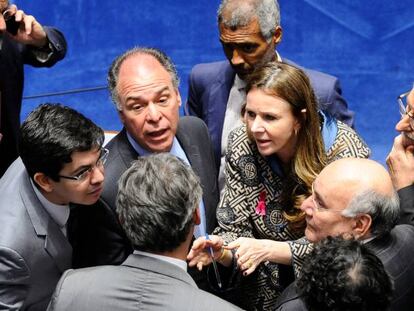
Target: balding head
[352,197]
[358,175]
[146,53]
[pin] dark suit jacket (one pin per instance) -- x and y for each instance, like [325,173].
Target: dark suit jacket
[406,196]
[13,56]
[140,283]
[33,250]
[96,234]
[396,251]
[209,89]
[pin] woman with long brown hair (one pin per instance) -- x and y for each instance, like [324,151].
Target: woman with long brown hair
[271,163]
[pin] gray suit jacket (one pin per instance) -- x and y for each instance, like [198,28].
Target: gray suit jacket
[140,283]
[33,250]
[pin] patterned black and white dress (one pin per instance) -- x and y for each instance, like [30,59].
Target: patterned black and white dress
[248,174]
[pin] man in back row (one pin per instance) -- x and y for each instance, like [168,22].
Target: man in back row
[158,204]
[249,33]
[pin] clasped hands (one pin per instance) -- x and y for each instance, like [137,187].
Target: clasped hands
[248,252]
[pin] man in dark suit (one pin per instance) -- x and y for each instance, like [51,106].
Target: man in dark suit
[356,198]
[249,33]
[34,45]
[144,86]
[61,162]
[158,204]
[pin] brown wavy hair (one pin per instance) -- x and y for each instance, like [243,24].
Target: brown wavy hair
[292,85]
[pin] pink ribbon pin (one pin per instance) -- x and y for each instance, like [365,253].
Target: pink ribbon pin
[261,205]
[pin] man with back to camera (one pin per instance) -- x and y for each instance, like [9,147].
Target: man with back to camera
[158,207]
[249,33]
[61,163]
[144,86]
[32,44]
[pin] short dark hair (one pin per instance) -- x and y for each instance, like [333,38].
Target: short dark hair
[160,56]
[49,136]
[344,274]
[156,201]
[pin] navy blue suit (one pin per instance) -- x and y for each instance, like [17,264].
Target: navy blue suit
[209,89]
[13,55]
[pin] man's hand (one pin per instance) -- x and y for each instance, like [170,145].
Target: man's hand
[400,163]
[199,254]
[30,31]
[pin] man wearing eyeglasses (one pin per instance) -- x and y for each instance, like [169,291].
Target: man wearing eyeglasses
[353,198]
[61,164]
[400,160]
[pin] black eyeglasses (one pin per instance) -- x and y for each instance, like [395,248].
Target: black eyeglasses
[87,171]
[405,109]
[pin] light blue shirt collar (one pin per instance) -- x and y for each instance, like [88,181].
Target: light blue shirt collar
[329,130]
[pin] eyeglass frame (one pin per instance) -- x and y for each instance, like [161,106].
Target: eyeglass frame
[318,208]
[403,108]
[84,174]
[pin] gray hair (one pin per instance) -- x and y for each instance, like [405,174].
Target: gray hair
[266,11]
[156,201]
[161,57]
[383,209]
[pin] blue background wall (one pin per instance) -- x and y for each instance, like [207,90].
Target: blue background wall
[368,44]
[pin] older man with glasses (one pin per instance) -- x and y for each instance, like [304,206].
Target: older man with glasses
[353,198]
[61,164]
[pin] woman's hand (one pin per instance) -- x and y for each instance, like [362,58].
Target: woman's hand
[252,252]
[200,255]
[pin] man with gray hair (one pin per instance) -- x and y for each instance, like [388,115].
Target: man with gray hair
[356,198]
[249,33]
[144,86]
[158,206]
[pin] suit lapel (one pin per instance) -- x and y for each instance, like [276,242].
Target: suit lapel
[56,244]
[127,152]
[192,151]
